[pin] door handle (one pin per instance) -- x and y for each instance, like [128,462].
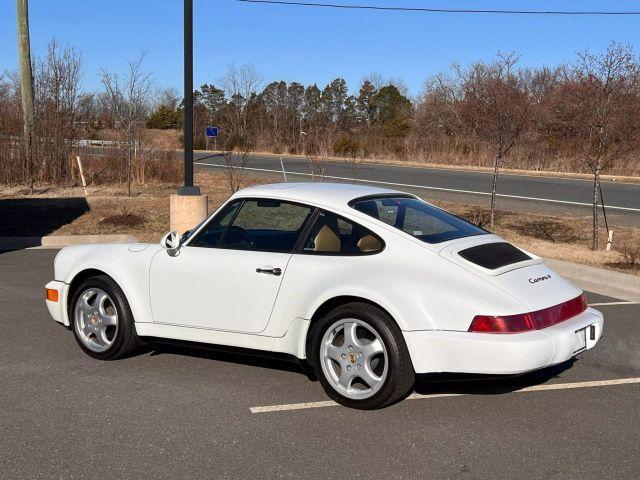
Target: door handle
[270,270]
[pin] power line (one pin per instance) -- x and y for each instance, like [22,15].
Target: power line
[441,10]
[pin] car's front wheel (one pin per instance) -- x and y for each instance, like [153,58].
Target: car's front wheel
[102,319]
[360,357]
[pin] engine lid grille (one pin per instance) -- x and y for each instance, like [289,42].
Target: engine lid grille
[494,255]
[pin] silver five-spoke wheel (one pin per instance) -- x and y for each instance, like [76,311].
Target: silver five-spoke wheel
[95,319]
[354,358]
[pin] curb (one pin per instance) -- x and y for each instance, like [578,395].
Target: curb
[605,282]
[55,241]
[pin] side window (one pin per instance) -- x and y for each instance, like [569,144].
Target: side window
[266,225]
[335,235]
[211,234]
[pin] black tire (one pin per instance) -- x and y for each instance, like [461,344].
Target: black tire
[126,339]
[400,377]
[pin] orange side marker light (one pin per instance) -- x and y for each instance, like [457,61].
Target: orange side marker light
[52,295]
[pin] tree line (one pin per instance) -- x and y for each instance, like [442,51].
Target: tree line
[582,116]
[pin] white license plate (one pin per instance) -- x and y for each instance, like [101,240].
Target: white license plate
[581,340]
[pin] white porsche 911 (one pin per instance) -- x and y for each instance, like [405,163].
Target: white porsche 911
[369,286]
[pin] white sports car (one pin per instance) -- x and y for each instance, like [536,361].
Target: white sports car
[369,286]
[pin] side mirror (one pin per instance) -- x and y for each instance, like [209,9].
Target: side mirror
[171,241]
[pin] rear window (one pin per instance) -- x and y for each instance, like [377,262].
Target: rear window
[417,218]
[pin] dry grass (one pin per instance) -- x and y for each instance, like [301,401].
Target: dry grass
[146,216]
[556,237]
[107,209]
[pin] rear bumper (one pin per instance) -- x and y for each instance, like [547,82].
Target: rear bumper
[485,353]
[57,309]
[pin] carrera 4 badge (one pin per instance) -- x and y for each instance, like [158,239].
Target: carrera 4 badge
[540,279]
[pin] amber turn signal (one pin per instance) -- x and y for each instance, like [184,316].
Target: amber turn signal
[52,295]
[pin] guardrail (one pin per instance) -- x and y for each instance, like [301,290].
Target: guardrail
[83,142]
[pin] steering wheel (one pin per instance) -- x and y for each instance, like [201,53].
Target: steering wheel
[237,237]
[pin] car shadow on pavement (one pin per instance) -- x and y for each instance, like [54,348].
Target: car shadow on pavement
[486,384]
[240,356]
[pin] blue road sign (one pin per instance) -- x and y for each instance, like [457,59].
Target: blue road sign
[212,131]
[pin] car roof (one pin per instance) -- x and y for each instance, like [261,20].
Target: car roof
[336,195]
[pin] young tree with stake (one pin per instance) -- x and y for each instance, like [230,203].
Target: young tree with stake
[600,111]
[497,106]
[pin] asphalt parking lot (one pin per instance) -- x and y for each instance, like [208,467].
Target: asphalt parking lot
[174,412]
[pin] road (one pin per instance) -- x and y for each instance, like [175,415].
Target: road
[186,413]
[520,193]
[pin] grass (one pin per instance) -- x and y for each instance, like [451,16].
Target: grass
[107,210]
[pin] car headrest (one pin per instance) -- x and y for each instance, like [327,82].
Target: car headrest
[369,243]
[327,241]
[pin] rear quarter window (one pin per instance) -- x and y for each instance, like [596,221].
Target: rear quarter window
[417,218]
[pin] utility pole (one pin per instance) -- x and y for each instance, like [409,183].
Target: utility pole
[188,187]
[26,86]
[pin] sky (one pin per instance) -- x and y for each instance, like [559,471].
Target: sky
[310,45]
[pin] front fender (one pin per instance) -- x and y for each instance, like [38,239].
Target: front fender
[129,269]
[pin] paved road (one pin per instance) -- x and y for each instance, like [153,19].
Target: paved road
[184,413]
[548,195]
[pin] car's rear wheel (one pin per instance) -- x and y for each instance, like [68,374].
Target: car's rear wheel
[360,357]
[102,319]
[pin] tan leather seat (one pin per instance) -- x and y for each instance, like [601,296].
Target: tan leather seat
[327,241]
[369,243]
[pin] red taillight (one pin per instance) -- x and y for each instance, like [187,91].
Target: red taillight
[529,321]
[504,324]
[559,313]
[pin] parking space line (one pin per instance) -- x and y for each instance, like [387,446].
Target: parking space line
[417,396]
[606,304]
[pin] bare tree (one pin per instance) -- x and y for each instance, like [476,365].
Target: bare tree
[58,78]
[317,167]
[352,162]
[317,164]
[349,148]
[235,168]
[497,107]
[240,85]
[26,84]
[127,99]
[602,110]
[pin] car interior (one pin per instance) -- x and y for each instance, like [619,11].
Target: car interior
[276,226]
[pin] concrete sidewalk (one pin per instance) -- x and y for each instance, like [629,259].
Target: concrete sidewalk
[57,241]
[599,280]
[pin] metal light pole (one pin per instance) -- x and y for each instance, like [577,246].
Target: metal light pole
[188,188]
[188,208]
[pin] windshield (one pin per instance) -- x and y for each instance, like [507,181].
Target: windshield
[417,218]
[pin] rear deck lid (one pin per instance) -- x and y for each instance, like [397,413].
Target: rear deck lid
[521,274]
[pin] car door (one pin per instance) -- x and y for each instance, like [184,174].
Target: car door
[228,275]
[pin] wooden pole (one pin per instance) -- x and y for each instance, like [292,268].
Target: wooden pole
[84,182]
[26,86]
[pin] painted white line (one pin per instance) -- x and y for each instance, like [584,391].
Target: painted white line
[417,396]
[606,304]
[423,187]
